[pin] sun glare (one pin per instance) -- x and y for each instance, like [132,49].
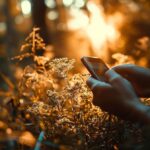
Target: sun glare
[99,28]
[26,7]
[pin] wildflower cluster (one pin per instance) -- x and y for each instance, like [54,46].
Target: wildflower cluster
[58,103]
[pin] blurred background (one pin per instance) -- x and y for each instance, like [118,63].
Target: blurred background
[75,28]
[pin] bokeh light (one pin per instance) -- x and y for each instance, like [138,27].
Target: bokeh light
[67,2]
[26,7]
[50,3]
[52,15]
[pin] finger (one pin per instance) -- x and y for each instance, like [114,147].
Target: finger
[111,75]
[131,70]
[117,80]
[96,84]
[126,70]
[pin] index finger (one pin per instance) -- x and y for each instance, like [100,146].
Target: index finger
[94,84]
[118,81]
[131,69]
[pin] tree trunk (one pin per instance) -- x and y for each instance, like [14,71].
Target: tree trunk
[39,16]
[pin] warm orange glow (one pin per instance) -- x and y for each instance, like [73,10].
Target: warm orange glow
[101,29]
[27,138]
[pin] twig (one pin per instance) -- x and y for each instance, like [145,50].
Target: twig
[7,80]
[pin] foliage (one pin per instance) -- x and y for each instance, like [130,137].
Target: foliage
[57,105]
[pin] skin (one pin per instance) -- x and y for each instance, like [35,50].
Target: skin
[120,95]
[138,76]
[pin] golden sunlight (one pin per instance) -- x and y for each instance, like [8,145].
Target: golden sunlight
[101,30]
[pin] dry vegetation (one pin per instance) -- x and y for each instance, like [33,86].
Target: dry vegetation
[52,109]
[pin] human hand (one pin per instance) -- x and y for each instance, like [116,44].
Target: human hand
[138,76]
[117,96]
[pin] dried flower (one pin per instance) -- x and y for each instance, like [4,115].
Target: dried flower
[60,104]
[60,66]
[122,59]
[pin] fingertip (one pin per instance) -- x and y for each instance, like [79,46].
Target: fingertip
[90,81]
[124,68]
[111,74]
[94,84]
[117,80]
[118,68]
